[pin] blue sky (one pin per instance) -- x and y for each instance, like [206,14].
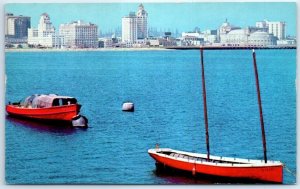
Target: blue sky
[183,16]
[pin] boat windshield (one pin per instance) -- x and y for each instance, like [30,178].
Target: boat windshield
[63,101]
[27,102]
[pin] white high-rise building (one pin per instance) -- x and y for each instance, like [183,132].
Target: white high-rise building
[129,28]
[275,28]
[142,22]
[135,26]
[45,27]
[79,34]
[44,35]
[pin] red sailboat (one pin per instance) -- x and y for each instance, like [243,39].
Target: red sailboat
[47,108]
[226,167]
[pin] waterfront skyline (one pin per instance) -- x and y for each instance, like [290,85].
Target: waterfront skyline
[181,16]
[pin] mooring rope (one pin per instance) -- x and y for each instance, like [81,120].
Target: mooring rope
[288,170]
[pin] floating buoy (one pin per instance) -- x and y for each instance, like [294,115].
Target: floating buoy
[128,107]
[79,121]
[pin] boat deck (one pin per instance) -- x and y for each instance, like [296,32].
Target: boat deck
[200,159]
[216,160]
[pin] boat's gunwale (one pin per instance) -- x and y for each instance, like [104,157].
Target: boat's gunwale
[52,107]
[236,162]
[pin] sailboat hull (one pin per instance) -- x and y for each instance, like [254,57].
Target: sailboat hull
[234,168]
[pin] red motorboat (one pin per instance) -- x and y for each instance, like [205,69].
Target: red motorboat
[225,167]
[46,107]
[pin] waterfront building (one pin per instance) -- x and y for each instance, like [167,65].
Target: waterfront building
[250,36]
[16,28]
[235,37]
[107,42]
[287,42]
[244,37]
[153,41]
[192,39]
[276,28]
[129,28]
[199,38]
[224,29]
[161,41]
[262,25]
[135,27]
[260,38]
[44,35]
[79,34]
[210,36]
[142,23]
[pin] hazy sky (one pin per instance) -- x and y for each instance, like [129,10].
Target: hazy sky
[184,16]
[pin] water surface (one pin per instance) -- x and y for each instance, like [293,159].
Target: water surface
[166,89]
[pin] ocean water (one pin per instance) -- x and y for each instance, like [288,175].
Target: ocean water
[166,89]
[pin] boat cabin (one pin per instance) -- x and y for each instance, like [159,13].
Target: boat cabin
[46,101]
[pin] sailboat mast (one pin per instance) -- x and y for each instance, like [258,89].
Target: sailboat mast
[204,104]
[260,108]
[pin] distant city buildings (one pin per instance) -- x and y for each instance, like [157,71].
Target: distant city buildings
[79,34]
[72,35]
[16,28]
[250,36]
[135,32]
[135,27]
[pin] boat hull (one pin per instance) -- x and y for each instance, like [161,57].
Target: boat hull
[56,113]
[255,170]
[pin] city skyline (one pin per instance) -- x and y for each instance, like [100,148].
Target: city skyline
[168,16]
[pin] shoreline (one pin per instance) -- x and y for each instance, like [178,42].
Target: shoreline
[146,49]
[85,50]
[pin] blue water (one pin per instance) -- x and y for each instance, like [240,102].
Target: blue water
[166,89]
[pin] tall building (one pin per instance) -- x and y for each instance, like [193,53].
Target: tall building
[45,26]
[79,35]
[142,22]
[135,26]
[45,34]
[16,27]
[275,28]
[129,28]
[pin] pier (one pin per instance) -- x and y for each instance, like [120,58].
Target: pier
[229,47]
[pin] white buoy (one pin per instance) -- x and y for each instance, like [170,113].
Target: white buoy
[128,106]
[79,121]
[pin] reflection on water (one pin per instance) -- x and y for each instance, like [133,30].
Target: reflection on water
[42,126]
[175,176]
[172,176]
